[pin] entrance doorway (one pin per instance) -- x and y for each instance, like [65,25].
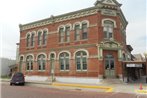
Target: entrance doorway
[109,66]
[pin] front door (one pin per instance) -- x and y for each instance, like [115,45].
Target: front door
[109,67]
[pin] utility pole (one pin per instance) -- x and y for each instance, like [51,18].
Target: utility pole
[52,67]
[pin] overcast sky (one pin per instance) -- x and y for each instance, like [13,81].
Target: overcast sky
[15,12]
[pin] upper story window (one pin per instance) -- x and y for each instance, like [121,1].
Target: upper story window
[29,63]
[64,61]
[61,35]
[84,31]
[108,29]
[77,32]
[39,38]
[33,39]
[44,42]
[81,60]
[41,62]
[28,40]
[67,33]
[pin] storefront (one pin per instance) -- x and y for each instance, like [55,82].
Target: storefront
[134,70]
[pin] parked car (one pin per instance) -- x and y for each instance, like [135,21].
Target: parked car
[17,78]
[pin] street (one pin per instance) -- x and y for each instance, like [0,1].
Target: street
[44,92]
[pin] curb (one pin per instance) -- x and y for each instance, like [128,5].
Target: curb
[141,91]
[107,89]
[33,82]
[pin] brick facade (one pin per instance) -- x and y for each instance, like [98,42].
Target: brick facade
[96,46]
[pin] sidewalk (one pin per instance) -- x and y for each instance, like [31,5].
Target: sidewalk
[104,86]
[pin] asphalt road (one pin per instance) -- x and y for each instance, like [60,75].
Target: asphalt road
[43,92]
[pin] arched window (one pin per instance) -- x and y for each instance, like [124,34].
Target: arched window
[84,31]
[61,35]
[81,60]
[41,62]
[28,40]
[39,38]
[32,39]
[44,37]
[29,63]
[67,33]
[64,61]
[108,29]
[77,32]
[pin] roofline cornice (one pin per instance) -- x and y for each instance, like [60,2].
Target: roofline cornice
[59,18]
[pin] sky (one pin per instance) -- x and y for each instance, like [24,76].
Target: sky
[15,12]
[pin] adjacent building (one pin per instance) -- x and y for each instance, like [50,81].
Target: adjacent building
[88,43]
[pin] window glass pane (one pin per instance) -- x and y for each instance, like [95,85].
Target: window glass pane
[43,65]
[77,32]
[44,37]
[110,35]
[61,63]
[84,62]
[28,40]
[78,66]
[105,28]
[28,67]
[39,67]
[84,35]
[39,38]
[84,27]
[84,53]
[110,29]
[84,66]
[78,63]
[61,30]
[67,63]
[67,30]
[31,65]
[32,40]
[78,53]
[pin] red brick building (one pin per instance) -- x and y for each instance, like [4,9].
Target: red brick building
[89,42]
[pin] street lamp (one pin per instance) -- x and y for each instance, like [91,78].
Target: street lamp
[145,54]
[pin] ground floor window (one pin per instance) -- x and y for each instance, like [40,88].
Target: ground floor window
[81,60]
[29,63]
[41,62]
[64,61]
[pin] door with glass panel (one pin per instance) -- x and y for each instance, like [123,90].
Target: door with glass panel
[109,67]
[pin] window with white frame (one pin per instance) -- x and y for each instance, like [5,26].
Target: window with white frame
[108,29]
[61,35]
[32,39]
[67,33]
[29,63]
[28,40]
[39,38]
[44,42]
[77,32]
[81,60]
[64,61]
[41,62]
[84,31]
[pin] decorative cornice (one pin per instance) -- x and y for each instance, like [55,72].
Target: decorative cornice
[55,19]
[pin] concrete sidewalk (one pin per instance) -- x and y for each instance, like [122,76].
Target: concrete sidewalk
[102,87]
